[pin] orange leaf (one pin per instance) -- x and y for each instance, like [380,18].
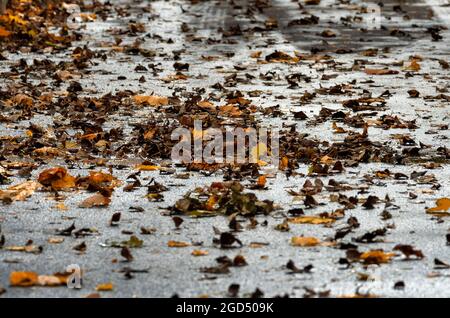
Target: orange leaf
[414,66]
[199,253]
[311,220]
[261,181]
[105,287]
[97,200]
[58,178]
[151,100]
[304,241]
[380,71]
[147,168]
[177,244]
[23,279]
[210,204]
[4,33]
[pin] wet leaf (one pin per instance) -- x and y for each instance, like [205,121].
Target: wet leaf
[105,287]
[177,244]
[409,251]
[380,71]
[376,257]
[19,192]
[57,178]
[151,100]
[441,208]
[23,279]
[304,241]
[199,253]
[311,220]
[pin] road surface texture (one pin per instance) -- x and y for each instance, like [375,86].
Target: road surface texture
[364,115]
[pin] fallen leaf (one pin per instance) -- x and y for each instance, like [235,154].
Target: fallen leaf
[19,192]
[376,257]
[442,206]
[97,200]
[4,33]
[281,57]
[58,178]
[55,240]
[105,287]
[311,220]
[147,168]
[380,71]
[151,100]
[199,253]
[414,66]
[23,279]
[177,244]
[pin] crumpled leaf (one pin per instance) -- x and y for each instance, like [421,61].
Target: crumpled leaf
[105,287]
[57,178]
[376,257]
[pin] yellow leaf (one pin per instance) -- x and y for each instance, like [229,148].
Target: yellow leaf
[210,204]
[304,241]
[61,206]
[311,220]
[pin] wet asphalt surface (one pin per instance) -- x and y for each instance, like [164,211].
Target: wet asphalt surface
[170,271]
